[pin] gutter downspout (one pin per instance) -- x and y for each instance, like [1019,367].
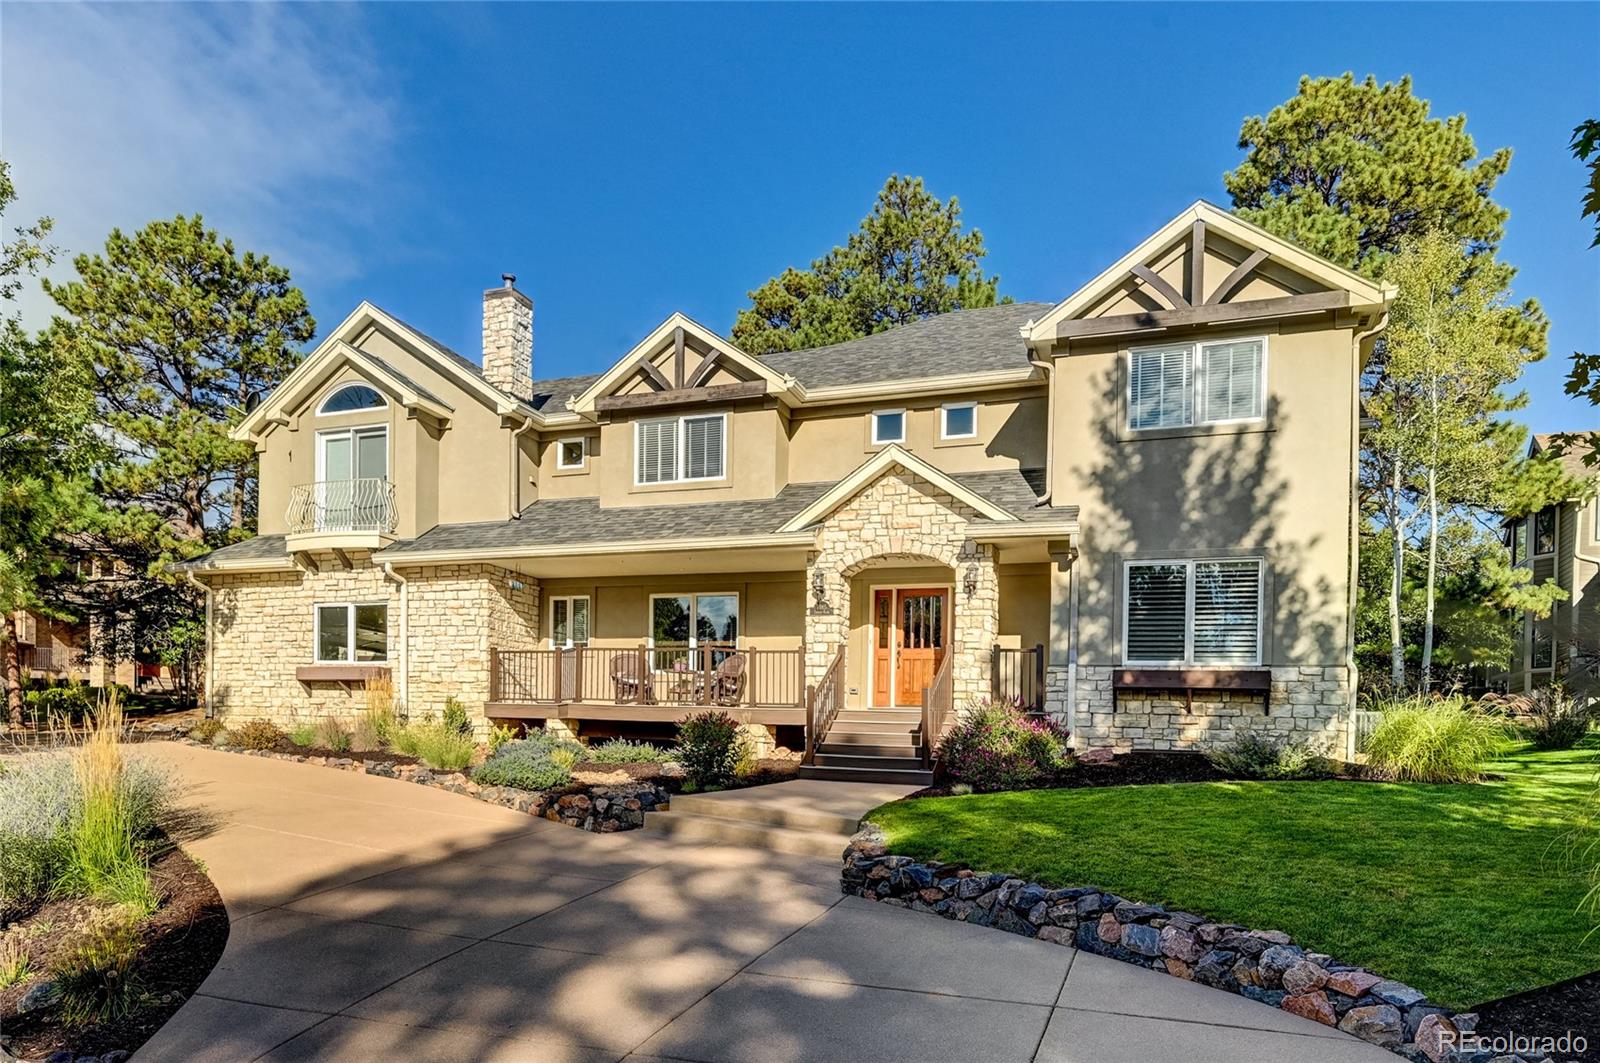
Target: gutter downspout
[1049,368]
[405,634]
[1353,572]
[516,470]
[205,588]
[1072,650]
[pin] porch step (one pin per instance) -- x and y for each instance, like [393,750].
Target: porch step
[875,749]
[873,727]
[898,739]
[912,774]
[682,825]
[893,761]
[911,716]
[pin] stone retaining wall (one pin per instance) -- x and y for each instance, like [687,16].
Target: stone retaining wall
[1264,965]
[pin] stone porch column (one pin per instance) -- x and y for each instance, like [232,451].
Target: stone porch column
[976,623]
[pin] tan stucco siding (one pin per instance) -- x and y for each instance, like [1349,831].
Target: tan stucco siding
[1279,489]
[829,443]
[771,605]
[750,460]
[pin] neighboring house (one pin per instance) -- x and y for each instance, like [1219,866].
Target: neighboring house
[1133,509]
[58,650]
[1560,542]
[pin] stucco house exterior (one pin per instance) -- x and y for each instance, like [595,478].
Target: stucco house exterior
[1560,542]
[1132,509]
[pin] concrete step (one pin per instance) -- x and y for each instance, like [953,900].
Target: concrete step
[687,827]
[903,777]
[892,762]
[726,805]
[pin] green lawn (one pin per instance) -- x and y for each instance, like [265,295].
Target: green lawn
[1467,892]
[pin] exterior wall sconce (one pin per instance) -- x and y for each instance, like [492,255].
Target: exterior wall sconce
[819,591]
[970,582]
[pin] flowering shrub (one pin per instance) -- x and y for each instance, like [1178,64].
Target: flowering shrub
[710,748]
[999,747]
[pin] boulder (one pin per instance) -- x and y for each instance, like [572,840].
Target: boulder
[1110,931]
[1352,983]
[1140,939]
[1215,968]
[1303,977]
[1180,944]
[40,996]
[1097,755]
[1397,993]
[1312,1005]
[1128,912]
[1377,1023]
[1274,962]
[1437,1038]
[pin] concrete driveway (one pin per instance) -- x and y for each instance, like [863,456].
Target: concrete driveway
[372,918]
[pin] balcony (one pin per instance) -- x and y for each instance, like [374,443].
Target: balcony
[333,514]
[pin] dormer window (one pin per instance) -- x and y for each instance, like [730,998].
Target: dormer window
[350,398]
[888,426]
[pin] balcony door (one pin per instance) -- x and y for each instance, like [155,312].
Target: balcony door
[352,476]
[910,628]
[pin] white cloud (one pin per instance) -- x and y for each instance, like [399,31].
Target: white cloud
[275,121]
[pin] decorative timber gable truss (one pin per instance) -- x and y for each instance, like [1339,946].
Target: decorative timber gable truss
[681,363]
[1205,267]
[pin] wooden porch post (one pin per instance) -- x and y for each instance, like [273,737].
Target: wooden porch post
[494,674]
[561,664]
[1038,677]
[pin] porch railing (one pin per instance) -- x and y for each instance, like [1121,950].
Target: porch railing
[1017,676]
[365,504]
[938,705]
[649,675]
[823,703]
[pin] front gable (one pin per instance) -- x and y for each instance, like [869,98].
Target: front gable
[681,362]
[1205,267]
[886,462]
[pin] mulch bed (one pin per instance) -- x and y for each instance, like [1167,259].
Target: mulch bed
[382,756]
[1571,1007]
[183,941]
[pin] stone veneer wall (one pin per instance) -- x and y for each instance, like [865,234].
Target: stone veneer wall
[903,518]
[1308,703]
[263,630]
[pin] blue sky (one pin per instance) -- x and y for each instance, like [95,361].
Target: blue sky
[628,161]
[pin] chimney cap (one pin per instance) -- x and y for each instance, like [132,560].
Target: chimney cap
[510,279]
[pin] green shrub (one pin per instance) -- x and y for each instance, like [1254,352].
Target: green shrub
[96,978]
[455,717]
[436,746]
[15,965]
[1444,740]
[1550,716]
[500,735]
[332,735]
[206,730]
[710,748]
[532,763]
[999,747]
[255,734]
[622,751]
[304,735]
[67,703]
[365,736]
[1254,756]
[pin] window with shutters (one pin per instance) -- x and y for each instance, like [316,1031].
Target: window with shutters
[674,449]
[1186,384]
[1192,612]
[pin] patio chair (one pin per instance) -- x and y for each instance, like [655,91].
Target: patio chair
[727,682]
[628,684]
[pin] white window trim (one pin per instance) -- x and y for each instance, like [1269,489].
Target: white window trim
[350,632]
[1188,660]
[879,441]
[1197,375]
[322,407]
[569,599]
[324,434]
[944,421]
[681,450]
[694,606]
[582,441]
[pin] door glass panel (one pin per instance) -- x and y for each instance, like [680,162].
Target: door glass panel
[580,620]
[372,454]
[883,621]
[372,632]
[333,633]
[558,622]
[922,621]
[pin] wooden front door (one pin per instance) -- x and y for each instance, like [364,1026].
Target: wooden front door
[909,626]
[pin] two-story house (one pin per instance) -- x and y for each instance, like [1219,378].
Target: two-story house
[1560,542]
[1132,509]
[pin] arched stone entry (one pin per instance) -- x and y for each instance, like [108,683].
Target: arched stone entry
[901,519]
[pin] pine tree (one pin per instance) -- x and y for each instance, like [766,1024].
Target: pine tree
[908,260]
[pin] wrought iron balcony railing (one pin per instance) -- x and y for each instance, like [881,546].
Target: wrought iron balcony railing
[360,505]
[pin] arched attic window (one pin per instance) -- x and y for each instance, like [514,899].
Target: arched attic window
[351,397]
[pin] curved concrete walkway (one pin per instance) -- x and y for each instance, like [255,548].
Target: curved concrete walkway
[372,919]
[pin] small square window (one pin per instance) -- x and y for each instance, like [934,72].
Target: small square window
[959,421]
[888,426]
[572,453]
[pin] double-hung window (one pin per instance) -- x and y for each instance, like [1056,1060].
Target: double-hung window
[352,632]
[1185,384]
[1192,612]
[1544,532]
[673,449]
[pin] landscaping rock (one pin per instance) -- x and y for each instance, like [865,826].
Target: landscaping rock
[1312,1005]
[1436,1037]
[1180,944]
[1352,983]
[43,995]
[1377,1023]
[1303,977]
[1397,993]
[1144,940]
[1128,912]
[1415,1015]
[1274,962]
[1110,931]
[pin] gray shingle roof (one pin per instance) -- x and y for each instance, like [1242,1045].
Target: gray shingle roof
[418,388]
[963,341]
[1572,461]
[261,548]
[551,395]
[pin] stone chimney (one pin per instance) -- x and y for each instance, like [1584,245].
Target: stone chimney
[508,338]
